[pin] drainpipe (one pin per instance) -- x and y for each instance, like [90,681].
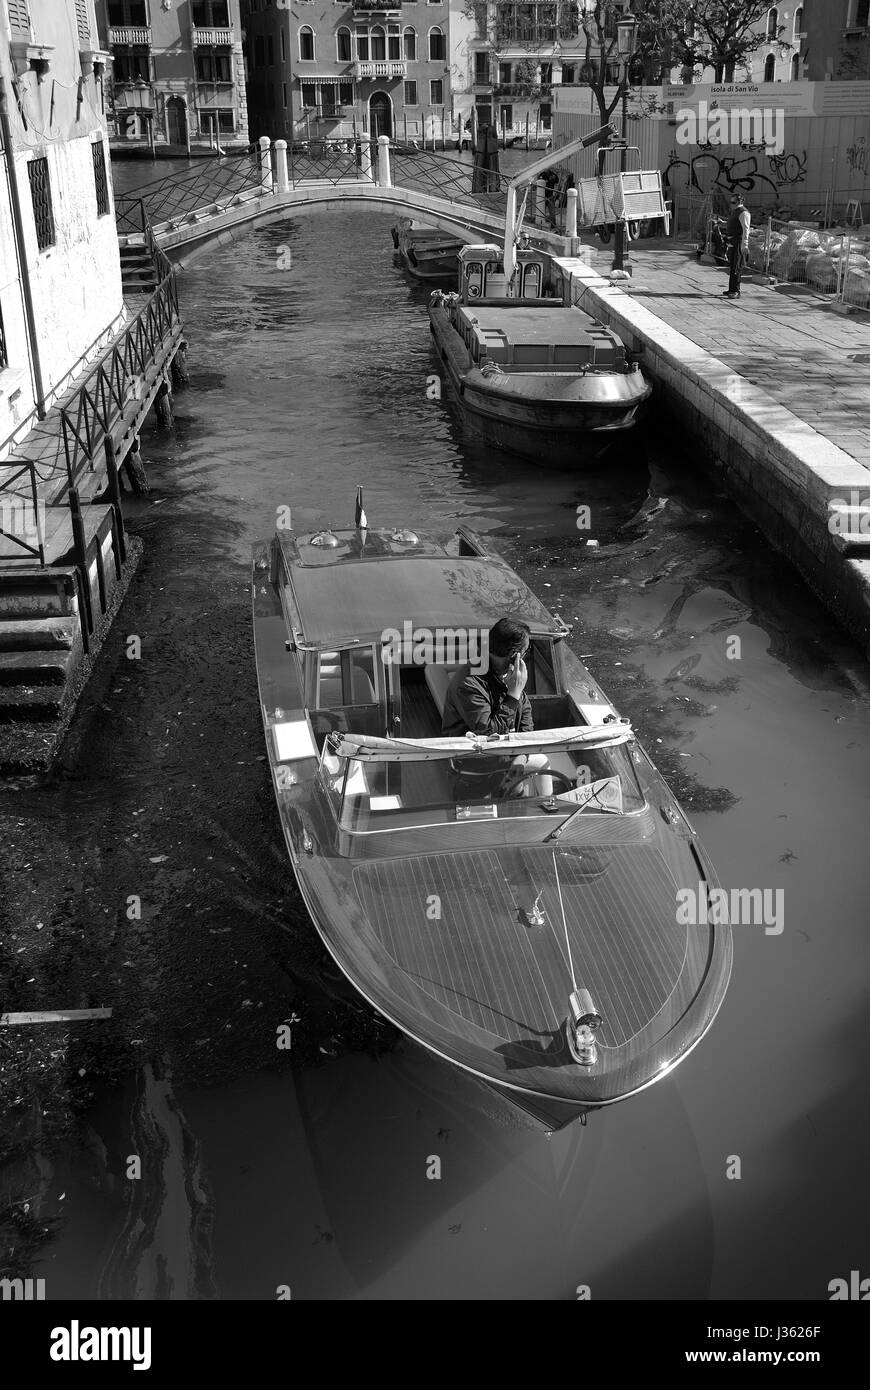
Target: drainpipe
[21,253]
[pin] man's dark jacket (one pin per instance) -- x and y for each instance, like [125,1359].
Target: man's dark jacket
[480,703]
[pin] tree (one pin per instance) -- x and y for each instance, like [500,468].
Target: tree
[722,34]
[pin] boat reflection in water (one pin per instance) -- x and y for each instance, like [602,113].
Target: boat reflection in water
[521,924]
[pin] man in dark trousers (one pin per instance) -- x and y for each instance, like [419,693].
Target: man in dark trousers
[737,242]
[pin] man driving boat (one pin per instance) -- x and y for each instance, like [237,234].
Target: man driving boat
[495,700]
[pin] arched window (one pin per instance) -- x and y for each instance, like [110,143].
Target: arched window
[772,22]
[379,42]
[798,21]
[342,44]
[410,41]
[436,45]
[795,68]
[306,44]
[769,67]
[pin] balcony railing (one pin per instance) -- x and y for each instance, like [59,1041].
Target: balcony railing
[381,67]
[213,38]
[366,8]
[130,38]
[210,95]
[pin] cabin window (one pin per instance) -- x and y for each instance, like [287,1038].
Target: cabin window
[532,281]
[474,279]
[346,678]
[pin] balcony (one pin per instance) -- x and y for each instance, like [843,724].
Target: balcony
[130,38]
[212,38]
[381,67]
[367,9]
[211,96]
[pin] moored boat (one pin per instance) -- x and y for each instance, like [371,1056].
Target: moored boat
[509,903]
[535,375]
[425,252]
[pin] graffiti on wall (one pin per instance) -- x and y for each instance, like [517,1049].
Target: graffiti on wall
[747,172]
[856,156]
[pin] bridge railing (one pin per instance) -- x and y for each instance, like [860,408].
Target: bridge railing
[211,186]
[217,184]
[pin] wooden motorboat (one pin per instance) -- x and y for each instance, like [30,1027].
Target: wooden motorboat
[525,933]
[425,252]
[535,375]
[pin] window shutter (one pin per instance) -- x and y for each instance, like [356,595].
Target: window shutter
[19,19]
[83,22]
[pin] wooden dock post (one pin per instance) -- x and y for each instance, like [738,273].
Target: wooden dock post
[180,371]
[163,406]
[80,551]
[136,469]
[119,545]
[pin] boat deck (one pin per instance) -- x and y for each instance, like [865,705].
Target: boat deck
[500,978]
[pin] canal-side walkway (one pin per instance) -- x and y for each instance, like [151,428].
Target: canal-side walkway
[773,388]
[787,340]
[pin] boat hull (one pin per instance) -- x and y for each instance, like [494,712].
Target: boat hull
[428,256]
[557,420]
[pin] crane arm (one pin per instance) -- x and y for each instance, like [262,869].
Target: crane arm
[529,174]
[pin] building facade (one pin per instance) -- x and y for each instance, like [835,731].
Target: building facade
[177,76]
[509,56]
[335,70]
[836,40]
[61,299]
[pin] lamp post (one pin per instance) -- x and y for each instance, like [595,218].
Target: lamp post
[626,41]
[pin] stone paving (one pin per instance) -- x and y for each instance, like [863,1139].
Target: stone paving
[788,341]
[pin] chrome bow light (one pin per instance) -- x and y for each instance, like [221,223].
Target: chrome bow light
[582,1023]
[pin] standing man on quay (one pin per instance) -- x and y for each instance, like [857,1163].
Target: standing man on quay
[737,241]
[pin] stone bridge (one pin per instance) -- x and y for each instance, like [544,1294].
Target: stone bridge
[218,198]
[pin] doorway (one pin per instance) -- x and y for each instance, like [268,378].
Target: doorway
[380,115]
[176,121]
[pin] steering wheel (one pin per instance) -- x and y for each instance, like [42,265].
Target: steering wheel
[511,787]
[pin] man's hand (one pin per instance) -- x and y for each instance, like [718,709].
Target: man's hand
[515,678]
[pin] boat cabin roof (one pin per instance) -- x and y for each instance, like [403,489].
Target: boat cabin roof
[535,336]
[370,583]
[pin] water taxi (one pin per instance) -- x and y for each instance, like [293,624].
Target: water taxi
[519,923]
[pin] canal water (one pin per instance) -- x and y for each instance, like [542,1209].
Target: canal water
[741,1176]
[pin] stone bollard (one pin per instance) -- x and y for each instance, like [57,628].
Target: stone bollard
[180,371]
[136,469]
[384,178]
[365,160]
[571,213]
[163,406]
[265,163]
[283,177]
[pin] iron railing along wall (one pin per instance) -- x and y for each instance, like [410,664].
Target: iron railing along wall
[117,379]
[21,515]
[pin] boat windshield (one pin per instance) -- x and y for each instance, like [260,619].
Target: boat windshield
[371,792]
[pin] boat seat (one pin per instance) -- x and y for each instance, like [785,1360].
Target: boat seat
[332,694]
[438,679]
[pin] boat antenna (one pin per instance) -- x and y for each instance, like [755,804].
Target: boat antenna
[359,516]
